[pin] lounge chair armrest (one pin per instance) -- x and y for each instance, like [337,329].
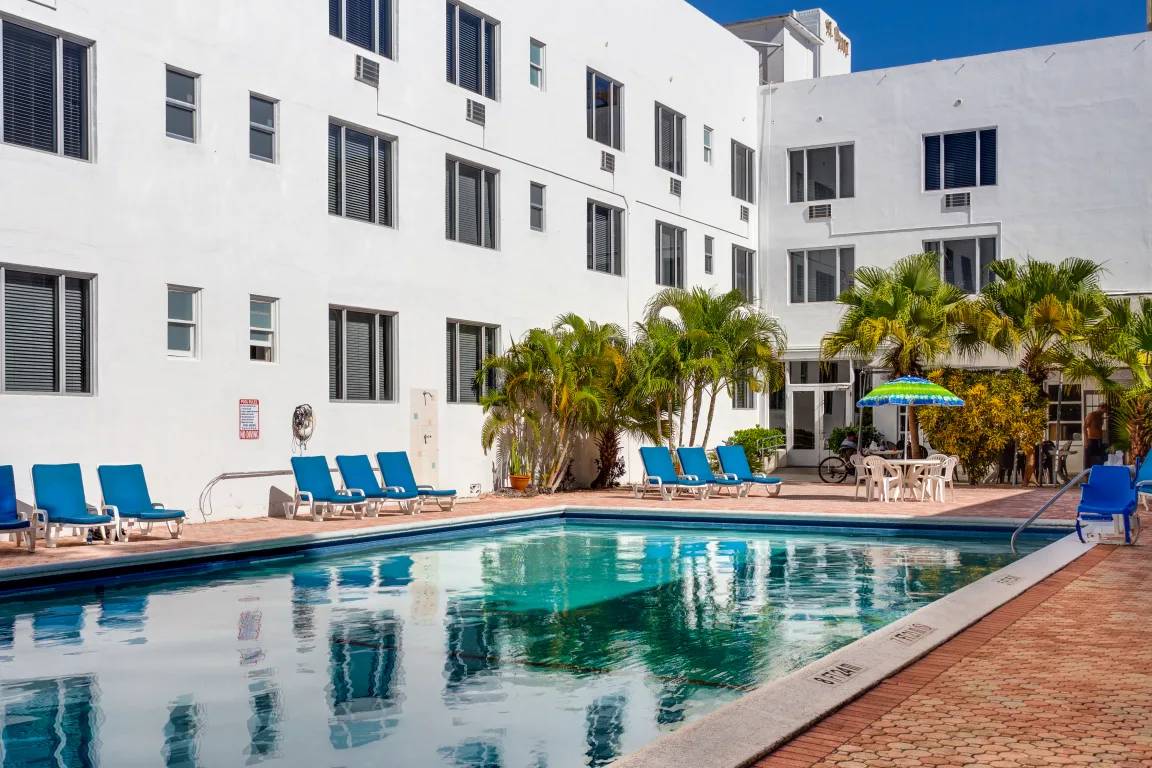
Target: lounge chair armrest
[41,515]
[760,475]
[1143,483]
[728,476]
[693,478]
[393,489]
[650,480]
[94,508]
[304,495]
[425,487]
[158,505]
[22,515]
[112,508]
[352,492]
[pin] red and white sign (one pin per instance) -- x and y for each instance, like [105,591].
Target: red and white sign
[249,419]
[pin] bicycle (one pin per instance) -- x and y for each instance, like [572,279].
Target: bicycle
[837,468]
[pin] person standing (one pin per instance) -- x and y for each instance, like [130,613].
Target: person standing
[1094,447]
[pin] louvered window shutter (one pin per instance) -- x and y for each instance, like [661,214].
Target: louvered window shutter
[603,107]
[489,63]
[601,238]
[385,32]
[360,329]
[469,363]
[450,43]
[450,344]
[384,181]
[29,88]
[386,382]
[335,355]
[490,350]
[678,149]
[334,17]
[76,357]
[470,65]
[617,241]
[358,188]
[988,158]
[931,163]
[796,161]
[75,88]
[959,160]
[468,201]
[664,139]
[490,206]
[359,23]
[30,332]
[334,169]
[450,199]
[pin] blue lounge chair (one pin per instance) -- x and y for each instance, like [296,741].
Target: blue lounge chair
[733,461]
[59,492]
[694,462]
[316,491]
[397,473]
[1144,481]
[12,520]
[660,476]
[125,492]
[1108,494]
[359,477]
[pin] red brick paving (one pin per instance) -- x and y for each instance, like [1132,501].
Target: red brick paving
[1062,675]
[797,496]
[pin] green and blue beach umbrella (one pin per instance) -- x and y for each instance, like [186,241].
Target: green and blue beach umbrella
[910,390]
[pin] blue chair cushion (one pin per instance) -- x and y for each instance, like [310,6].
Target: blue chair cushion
[80,520]
[14,525]
[441,493]
[156,514]
[337,498]
[59,492]
[765,480]
[679,481]
[313,476]
[1104,512]
[357,473]
[8,494]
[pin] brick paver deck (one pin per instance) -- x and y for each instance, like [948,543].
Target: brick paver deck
[797,496]
[1060,676]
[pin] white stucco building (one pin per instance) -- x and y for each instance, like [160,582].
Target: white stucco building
[208,204]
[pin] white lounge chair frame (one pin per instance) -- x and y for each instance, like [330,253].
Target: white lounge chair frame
[668,492]
[27,536]
[52,530]
[316,509]
[124,533]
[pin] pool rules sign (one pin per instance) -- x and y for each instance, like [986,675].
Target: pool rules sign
[249,419]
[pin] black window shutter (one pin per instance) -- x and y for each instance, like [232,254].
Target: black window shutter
[450,43]
[76,343]
[468,200]
[385,358]
[469,363]
[489,60]
[796,173]
[334,17]
[617,241]
[988,158]
[384,181]
[335,354]
[30,332]
[75,87]
[959,160]
[491,204]
[358,187]
[334,169]
[489,351]
[385,24]
[29,88]
[359,23]
[931,162]
[450,345]
[450,199]
[360,329]
[470,64]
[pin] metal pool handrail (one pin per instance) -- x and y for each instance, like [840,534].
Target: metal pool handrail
[1047,505]
[206,494]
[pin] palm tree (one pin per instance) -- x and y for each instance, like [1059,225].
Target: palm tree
[905,315]
[628,410]
[657,360]
[748,347]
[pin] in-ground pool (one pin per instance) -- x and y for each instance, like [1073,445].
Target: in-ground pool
[559,644]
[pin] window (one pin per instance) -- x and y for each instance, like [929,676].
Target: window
[467,346]
[743,398]
[605,110]
[605,238]
[669,255]
[46,92]
[708,145]
[261,129]
[744,272]
[822,173]
[743,172]
[709,244]
[669,140]
[959,259]
[262,329]
[470,204]
[960,160]
[1065,411]
[183,321]
[361,357]
[536,206]
[180,119]
[47,332]
[820,275]
[366,23]
[471,48]
[359,175]
[536,64]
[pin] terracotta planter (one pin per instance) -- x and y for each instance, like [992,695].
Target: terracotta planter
[519,483]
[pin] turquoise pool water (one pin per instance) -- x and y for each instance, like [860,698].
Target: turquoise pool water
[562,644]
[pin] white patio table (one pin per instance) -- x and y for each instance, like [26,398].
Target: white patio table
[910,469]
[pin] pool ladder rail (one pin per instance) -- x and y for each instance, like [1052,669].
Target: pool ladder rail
[1048,505]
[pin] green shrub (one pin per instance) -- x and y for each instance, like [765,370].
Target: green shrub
[755,440]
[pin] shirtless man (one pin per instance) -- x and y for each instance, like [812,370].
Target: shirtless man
[1094,436]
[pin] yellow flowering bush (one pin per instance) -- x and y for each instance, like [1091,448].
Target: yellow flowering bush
[999,407]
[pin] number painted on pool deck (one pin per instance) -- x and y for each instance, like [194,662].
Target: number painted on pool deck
[911,633]
[838,674]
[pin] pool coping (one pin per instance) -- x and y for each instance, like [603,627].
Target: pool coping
[751,727]
[27,577]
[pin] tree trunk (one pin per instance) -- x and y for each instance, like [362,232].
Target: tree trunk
[659,422]
[697,401]
[711,413]
[683,409]
[608,446]
[913,433]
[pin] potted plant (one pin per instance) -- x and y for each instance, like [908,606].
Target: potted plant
[518,476]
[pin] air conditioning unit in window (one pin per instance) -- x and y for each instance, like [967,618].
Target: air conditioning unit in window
[475,112]
[368,71]
[675,186]
[822,211]
[608,162]
[958,200]
[744,213]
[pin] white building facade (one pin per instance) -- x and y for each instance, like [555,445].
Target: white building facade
[209,204]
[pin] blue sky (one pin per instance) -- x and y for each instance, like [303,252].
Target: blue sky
[888,33]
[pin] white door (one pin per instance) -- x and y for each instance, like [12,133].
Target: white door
[804,427]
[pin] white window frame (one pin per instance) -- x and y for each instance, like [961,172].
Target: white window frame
[485,204]
[942,242]
[486,383]
[941,134]
[374,351]
[390,210]
[737,388]
[194,323]
[376,41]
[58,88]
[751,168]
[273,332]
[679,125]
[533,207]
[483,53]
[616,260]
[274,131]
[750,254]
[540,68]
[61,319]
[616,115]
[680,267]
[193,108]
[709,253]
[708,153]
[839,195]
[839,268]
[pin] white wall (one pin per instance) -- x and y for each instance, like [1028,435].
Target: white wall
[152,211]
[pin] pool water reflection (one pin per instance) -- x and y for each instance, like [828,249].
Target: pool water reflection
[565,644]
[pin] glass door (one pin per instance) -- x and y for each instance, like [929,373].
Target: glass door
[804,426]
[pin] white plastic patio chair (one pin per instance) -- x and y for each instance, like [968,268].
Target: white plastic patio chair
[942,478]
[885,478]
[863,476]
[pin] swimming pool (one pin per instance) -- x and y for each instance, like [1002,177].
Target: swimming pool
[556,644]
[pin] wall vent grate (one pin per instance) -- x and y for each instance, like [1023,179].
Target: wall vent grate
[368,71]
[958,200]
[608,162]
[676,187]
[745,214]
[822,211]
[476,112]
